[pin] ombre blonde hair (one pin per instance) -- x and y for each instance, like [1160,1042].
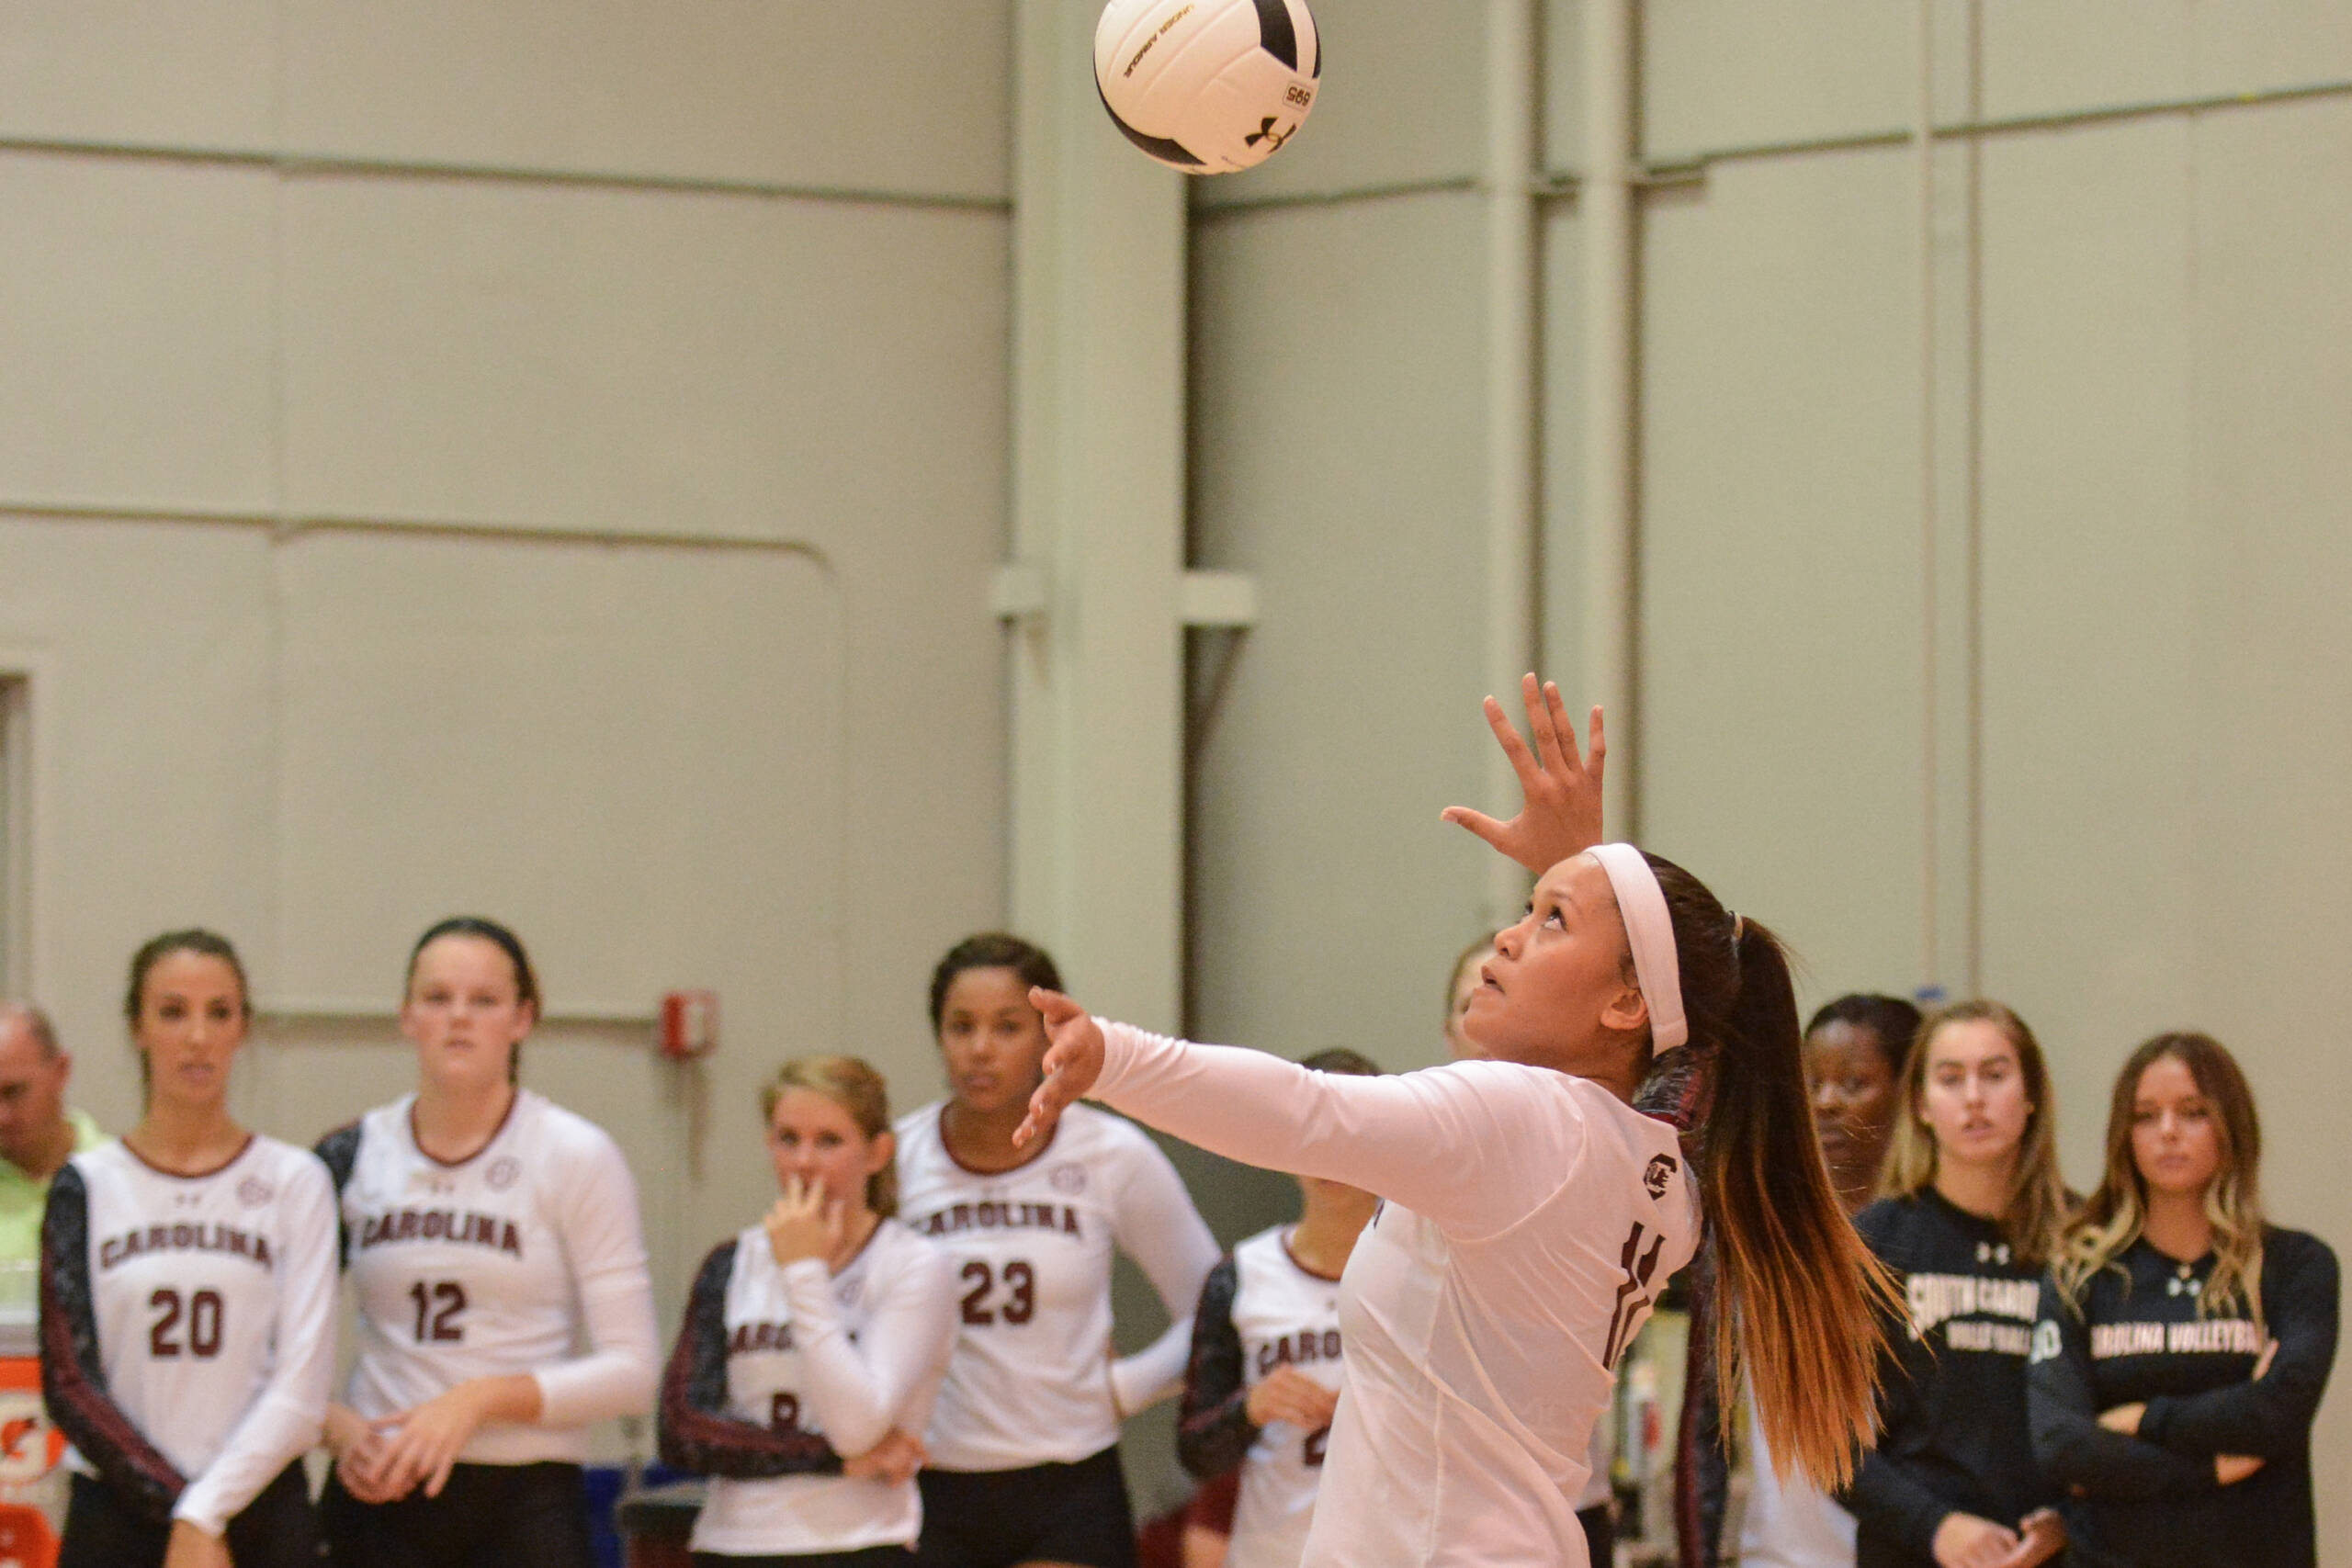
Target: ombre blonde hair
[2112,1221]
[2035,1217]
[856,1089]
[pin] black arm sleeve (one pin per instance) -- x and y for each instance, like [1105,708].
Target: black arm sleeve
[1213,1427]
[72,1376]
[698,1434]
[1702,1456]
[339,1152]
[2073,1450]
[2269,1417]
[1883,1492]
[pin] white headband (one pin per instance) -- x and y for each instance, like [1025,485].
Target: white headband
[1649,930]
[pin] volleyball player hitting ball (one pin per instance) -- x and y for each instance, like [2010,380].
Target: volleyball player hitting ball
[1533,1213]
[486,1231]
[188,1301]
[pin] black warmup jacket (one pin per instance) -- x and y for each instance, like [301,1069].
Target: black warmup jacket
[2152,1501]
[1953,1433]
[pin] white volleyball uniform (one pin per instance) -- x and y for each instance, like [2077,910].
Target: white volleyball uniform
[187,1323]
[837,1359]
[1531,1219]
[1284,1316]
[1789,1523]
[494,1266]
[1033,1380]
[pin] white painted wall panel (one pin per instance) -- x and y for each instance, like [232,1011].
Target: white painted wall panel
[135,332]
[1719,73]
[2092,629]
[1338,434]
[148,647]
[899,95]
[2271,717]
[638,360]
[2041,59]
[142,71]
[1780,554]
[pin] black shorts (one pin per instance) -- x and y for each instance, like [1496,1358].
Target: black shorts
[489,1515]
[1041,1513]
[277,1530]
[865,1557]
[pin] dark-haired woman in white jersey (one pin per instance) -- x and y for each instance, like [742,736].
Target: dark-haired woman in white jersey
[486,1230]
[188,1301]
[1024,1459]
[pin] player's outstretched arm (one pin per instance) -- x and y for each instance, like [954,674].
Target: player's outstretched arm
[1559,813]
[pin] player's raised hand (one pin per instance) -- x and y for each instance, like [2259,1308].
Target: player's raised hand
[1072,1063]
[1559,813]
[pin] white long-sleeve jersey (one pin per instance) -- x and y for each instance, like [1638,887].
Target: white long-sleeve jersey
[782,1370]
[495,1266]
[1032,1380]
[187,1323]
[1531,1220]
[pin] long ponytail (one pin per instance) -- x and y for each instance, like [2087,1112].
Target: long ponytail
[1799,1297]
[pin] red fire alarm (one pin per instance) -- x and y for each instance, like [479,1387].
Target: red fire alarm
[689,1025]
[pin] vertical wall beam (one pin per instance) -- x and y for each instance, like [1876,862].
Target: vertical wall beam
[1512,128]
[1098,504]
[1605,211]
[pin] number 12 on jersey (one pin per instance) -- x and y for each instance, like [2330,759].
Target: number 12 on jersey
[438,1307]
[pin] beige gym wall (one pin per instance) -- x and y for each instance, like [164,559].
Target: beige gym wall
[2141,378]
[524,459]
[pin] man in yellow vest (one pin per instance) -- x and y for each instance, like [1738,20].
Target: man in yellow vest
[38,1132]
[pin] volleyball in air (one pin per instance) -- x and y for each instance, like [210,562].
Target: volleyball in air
[1207,86]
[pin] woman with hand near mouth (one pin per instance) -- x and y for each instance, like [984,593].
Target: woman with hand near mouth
[188,1300]
[1024,1443]
[1972,1214]
[485,1228]
[813,1345]
[2185,1341]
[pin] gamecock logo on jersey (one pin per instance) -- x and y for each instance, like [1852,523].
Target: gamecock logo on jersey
[1662,1169]
[503,1172]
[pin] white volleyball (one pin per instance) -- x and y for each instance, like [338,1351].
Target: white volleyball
[1207,86]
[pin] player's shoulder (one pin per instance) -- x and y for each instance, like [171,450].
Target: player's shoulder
[559,1132]
[918,1133]
[2289,1253]
[276,1159]
[899,1251]
[1269,1245]
[1091,1133]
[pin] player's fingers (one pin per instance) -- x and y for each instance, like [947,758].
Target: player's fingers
[1057,1008]
[1555,712]
[1596,744]
[1479,822]
[1541,733]
[1522,761]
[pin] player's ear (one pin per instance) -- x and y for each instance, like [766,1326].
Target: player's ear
[884,1149]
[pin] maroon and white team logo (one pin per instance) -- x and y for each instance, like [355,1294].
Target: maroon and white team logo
[1067,1177]
[503,1172]
[255,1193]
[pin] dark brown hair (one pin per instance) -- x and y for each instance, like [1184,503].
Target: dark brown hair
[991,950]
[1801,1296]
[526,981]
[1889,1021]
[1340,1059]
[204,943]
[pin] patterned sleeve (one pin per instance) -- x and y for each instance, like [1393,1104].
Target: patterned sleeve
[73,1377]
[1213,1428]
[698,1434]
[339,1151]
